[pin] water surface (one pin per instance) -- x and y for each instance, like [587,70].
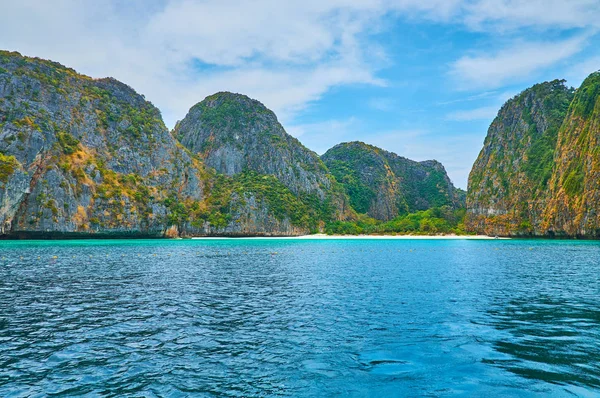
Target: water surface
[300,318]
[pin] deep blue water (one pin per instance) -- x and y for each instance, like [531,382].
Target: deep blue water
[300,318]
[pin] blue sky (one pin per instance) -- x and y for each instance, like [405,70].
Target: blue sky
[422,78]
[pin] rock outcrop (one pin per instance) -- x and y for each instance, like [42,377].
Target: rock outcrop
[539,170]
[385,185]
[574,189]
[239,137]
[91,157]
[508,185]
[81,156]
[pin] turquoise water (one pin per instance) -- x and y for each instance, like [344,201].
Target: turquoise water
[300,318]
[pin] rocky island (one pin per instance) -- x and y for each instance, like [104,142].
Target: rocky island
[84,157]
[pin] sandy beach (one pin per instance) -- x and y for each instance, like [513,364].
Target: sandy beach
[330,237]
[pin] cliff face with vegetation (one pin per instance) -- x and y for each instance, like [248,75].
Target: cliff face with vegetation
[79,155]
[239,137]
[508,185]
[574,189]
[538,172]
[83,156]
[91,157]
[233,133]
[384,185]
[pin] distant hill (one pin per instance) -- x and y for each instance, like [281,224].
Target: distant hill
[385,185]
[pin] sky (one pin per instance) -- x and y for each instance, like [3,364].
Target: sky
[421,78]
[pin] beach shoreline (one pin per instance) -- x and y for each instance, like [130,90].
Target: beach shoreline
[354,237]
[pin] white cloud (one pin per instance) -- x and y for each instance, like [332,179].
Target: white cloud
[515,14]
[485,112]
[381,104]
[287,54]
[512,63]
[578,72]
[224,33]
[286,91]
[299,49]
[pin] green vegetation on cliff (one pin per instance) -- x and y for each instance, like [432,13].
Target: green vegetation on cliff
[240,137]
[586,99]
[509,182]
[94,156]
[539,170]
[574,189]
[438,220]
[384,185]
[304,211]
[8,164]
[360,194]
[83,156]
[540,154]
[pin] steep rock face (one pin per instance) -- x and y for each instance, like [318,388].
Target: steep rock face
[237,135]
[384,185]
[79,155]
[246,204]
[509,183]
[574,189]
[91,157]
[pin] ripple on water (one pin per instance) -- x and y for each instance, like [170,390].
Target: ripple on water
[299,318]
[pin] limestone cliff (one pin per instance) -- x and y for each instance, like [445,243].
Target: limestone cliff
[80,155]
[83,157]
[241,138]
[539,171]
[573,207]
[508,185]
[91,157]
[385,185]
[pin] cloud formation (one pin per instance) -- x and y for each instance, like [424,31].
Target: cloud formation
[509,64]
[516,14]
[286,53]
[485,112]
[290,54]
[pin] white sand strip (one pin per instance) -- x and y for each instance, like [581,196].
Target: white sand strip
[326,237]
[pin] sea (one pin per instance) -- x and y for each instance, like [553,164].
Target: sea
[300,318]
